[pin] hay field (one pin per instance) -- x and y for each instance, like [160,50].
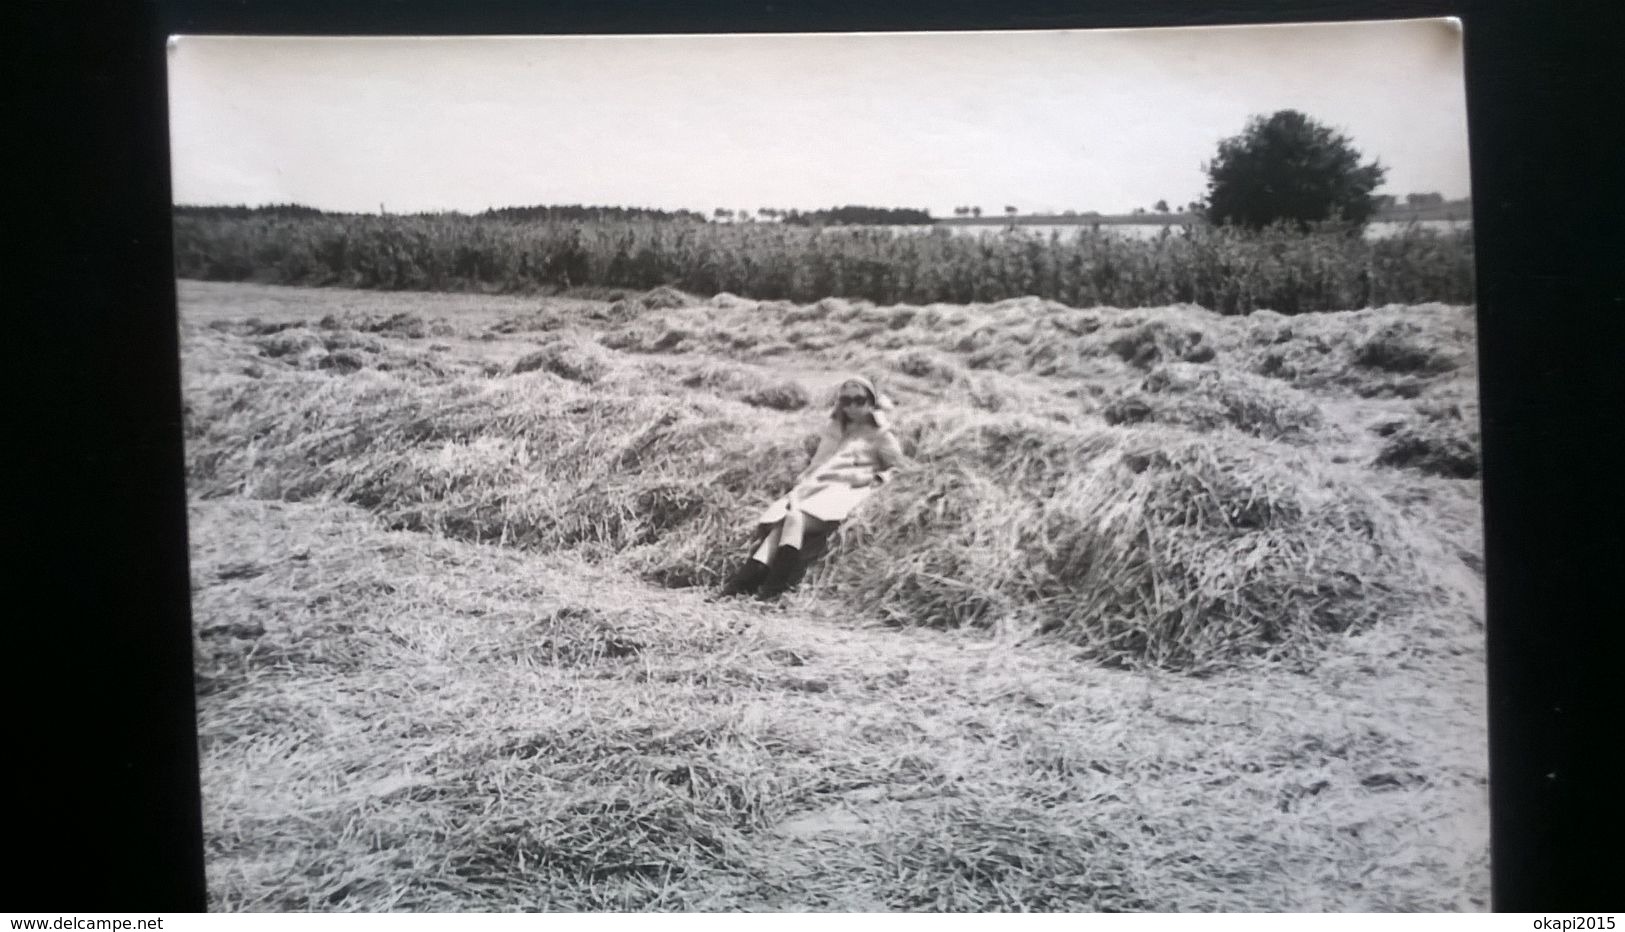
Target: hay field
[1173,611]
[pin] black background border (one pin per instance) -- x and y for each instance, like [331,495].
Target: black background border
[100,666]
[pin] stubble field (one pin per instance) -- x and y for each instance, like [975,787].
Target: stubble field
[1171,611]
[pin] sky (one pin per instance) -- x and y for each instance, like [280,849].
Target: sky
[1043,121]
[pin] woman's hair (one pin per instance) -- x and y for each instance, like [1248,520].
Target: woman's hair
[877,402]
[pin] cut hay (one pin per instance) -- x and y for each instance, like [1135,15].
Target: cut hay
[576,360]
[778,395]
[466,670]
[532,461]
[1157,341]
[290,342]
[546,319]
[410,326]
[750,385]
[923,364]
[1142,547]
[650,335]
[256,327]
[341,338]
[620,311]
[343,361]
[1140,542]
[1389,352]
[730,301]
[1397,347]
[665,298]
[1203,398]
[1439,440]
[639,749]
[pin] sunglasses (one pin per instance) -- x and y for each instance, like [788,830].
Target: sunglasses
[853,400]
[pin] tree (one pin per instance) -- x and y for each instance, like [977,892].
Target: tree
[1009,210]
[976,211]
[1160,207]
[1288,167]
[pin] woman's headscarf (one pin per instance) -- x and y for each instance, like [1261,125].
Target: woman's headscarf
[881,403]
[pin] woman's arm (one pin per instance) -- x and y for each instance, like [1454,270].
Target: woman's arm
[890,454]
[828,441]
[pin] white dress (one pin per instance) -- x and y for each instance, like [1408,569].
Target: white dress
[847,468]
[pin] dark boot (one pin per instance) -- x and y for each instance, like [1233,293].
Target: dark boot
[814,547]
[781,574]
[746,580]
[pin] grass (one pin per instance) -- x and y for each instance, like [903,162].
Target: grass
[1226,660]
[1225,270]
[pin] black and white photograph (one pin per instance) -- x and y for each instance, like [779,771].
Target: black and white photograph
[1034,470]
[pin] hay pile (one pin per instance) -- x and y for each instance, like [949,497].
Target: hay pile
[924,364]
[254,349]
[574,359]
[1145,345]
[1142,545]
[1438,440]
[535,460]
[1204,399]
[651,335]
[665,298]
[749,385]
[1389,352]
[1397,347]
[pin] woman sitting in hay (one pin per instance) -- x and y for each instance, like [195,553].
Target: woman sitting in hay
[857,451]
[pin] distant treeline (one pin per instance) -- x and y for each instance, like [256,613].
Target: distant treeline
[850,215]
[242,211]
[566,212]
[578,212]
[1225,269]
[859,216]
